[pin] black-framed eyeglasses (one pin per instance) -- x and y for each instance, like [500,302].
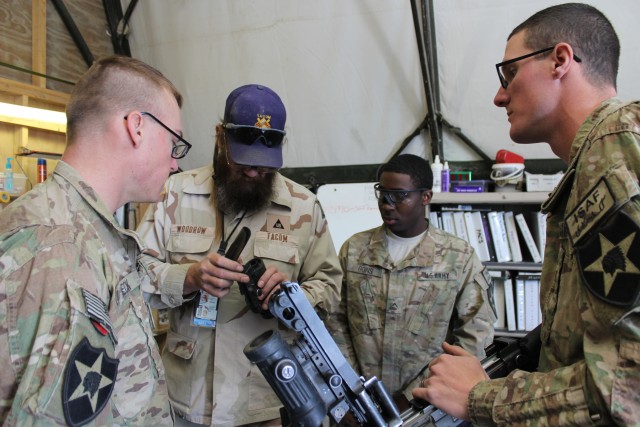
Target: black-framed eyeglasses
[181,148]
[251,134]
[394,197]
[506,75]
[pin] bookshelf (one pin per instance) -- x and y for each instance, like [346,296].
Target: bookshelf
[524,203]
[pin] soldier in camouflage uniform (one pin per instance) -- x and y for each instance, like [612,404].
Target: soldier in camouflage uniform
[589,371]
[76,345]
[210,379]
[408,286]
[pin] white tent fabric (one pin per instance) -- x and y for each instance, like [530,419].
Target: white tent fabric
[348,71]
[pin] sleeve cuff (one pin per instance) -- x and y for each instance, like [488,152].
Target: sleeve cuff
[172,286]
[481,399]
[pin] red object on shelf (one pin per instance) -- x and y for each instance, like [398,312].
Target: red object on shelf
[506,156]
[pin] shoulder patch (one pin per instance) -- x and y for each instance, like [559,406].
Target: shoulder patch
[88,382]
[609,261]
[589,211]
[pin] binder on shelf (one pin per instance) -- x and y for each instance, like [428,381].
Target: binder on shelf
[433,219]
[499,279]
[487,234]
[512,236]
[460,226]
[447,222]
[499,236]
[532,301]
[528,238]
[475,233]
[519,296]
[539,225]
[509,305]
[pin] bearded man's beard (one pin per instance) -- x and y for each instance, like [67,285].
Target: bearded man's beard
[237,193]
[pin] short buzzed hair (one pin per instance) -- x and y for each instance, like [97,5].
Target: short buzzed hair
[416,167]
[586,29]
[115,83]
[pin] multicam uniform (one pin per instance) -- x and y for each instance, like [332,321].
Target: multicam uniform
[207,370]
[590,357]
[399,315]
[76,345]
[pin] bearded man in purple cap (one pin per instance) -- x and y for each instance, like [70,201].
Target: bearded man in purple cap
[210,380]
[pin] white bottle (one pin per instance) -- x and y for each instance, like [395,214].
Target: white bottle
[436,169]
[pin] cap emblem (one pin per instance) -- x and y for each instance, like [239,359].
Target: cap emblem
[263,121]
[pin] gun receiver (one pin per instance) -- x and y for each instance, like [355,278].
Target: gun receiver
[311,376]
[313,379]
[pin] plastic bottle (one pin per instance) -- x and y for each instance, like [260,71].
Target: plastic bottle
[446,178]
[42,170]
[436,169]
[8,175]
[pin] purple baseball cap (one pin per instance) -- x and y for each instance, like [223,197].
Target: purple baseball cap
[261,108]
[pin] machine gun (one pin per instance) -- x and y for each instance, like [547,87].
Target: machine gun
[313,379]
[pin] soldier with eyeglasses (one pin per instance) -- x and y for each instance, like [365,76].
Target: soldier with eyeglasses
[558,85]
[210,380]
[76,345]
[409,286]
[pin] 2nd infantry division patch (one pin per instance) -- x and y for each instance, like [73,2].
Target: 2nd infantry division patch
[88,382]
[610,261]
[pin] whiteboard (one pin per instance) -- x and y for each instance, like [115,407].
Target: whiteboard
[349,208]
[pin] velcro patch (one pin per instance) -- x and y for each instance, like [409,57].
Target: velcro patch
[436,275]
[97,312]
[89,379]
[589,211]
[368,270]
[609,261]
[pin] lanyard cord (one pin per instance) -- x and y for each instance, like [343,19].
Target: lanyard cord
[222,249]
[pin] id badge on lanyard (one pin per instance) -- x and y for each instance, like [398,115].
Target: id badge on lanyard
[205,311]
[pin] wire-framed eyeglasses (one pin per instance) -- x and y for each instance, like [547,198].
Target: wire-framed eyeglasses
[180,148]
[251,134]
[506,74]
[393,197]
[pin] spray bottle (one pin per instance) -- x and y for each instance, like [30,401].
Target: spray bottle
[42,170]
[8,176]
[436,169]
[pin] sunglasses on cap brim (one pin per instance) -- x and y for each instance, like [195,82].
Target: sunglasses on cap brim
[250,134]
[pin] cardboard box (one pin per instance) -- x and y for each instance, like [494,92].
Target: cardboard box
[539,182]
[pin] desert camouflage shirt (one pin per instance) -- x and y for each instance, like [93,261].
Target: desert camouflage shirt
[589,371]
[398,315]
[210,379]
[76,345]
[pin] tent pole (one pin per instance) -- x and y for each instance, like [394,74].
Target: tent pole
[430,120]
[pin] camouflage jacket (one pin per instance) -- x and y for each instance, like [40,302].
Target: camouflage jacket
[589,372]
[210,379]
[76,343]
[399,315]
